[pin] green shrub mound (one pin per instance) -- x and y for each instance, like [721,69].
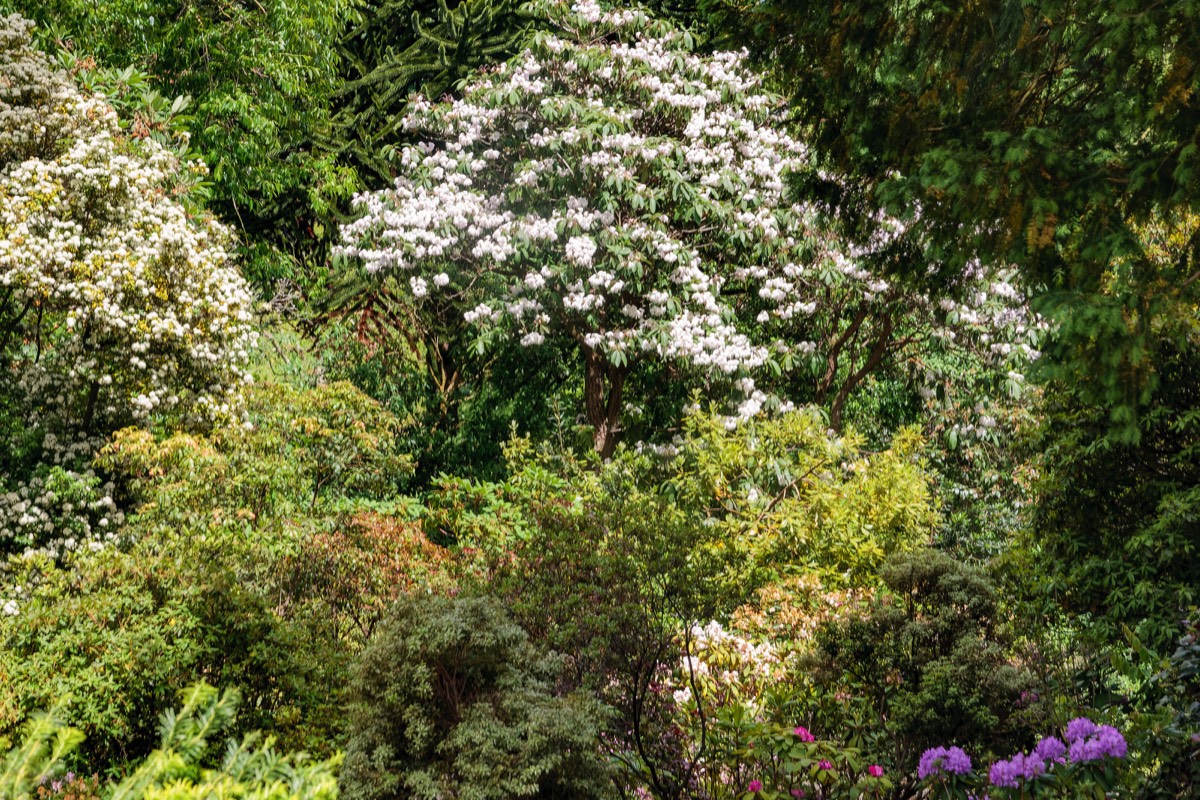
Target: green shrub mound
[932,655]
[451,699]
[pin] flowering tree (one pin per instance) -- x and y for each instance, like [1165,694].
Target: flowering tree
[603,186]
[116,302]
[613,188]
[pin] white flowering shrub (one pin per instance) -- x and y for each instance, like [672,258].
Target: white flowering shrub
[612,188]
[116,303]
[603,187]
[725,667]
[58,510]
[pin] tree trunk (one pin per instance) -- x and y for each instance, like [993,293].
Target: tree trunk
[89,411]
[602,388]
[874,359]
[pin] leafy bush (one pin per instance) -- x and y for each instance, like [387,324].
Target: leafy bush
[136,307]
[302,449]
[451,699]
[637,568]
[175,771]
[242,566]
[352,574]
[651,541]
[120,303]
[122,632]
[932,657]
[754,721]
[789,498]
[764,500]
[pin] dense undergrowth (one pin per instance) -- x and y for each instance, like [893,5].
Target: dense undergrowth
[658,420]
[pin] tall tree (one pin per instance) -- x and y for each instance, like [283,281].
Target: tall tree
[615,191]
[1039,133]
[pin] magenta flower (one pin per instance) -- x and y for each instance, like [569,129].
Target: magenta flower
[802,734]
[798,794]
[875,771]
[824,764]
[754,786]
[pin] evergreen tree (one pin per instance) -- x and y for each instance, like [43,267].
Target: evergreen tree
[399,48]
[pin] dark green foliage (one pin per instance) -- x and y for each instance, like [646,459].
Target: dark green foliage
[931,653]
[1178,687]
[1117,526]
[1035,133]
[464,403]
[399,47]
[452,699]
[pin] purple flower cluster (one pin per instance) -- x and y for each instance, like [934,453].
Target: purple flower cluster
[1020,767]
[943,761]
[1092,742]
[1080,728]
[1088,742]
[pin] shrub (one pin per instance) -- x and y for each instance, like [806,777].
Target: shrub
[303,450]
[452,699]
[175,771]
[751,719]
[636,570]
[931,656]
[651,541]
[119,306]
[351,575]
[244,561]
[766,500]
[788,498]
[122,632]
[118,302]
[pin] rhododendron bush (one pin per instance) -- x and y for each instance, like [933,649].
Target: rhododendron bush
[117,305]
[611,187]
[116,302]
